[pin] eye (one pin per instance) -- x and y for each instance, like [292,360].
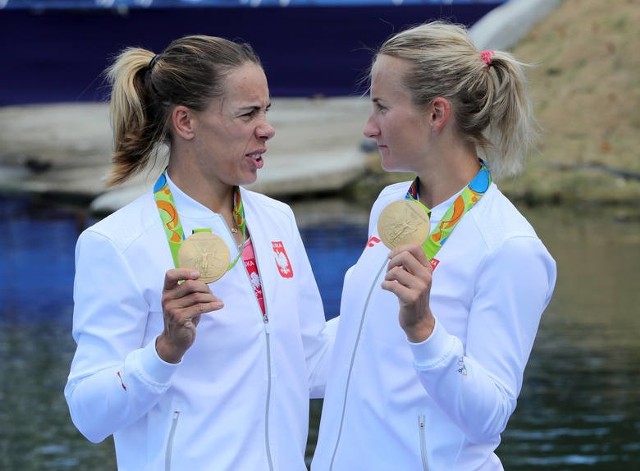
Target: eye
[377,106]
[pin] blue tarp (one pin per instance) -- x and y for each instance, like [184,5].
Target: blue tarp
[59,54]
[108,4]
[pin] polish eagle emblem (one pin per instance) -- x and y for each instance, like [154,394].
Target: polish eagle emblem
[282,259]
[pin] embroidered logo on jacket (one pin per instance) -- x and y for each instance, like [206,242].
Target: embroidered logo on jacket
[282,260]
[373,240]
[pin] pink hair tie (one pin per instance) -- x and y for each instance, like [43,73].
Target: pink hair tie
[487,56]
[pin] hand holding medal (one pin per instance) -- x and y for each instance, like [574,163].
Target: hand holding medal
[184,302]
[408,271]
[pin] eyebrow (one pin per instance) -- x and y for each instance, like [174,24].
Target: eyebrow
[253,108]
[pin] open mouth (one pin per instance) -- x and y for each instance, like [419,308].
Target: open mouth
[257,158]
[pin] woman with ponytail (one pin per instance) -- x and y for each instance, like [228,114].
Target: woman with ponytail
[199,326]
[440,313]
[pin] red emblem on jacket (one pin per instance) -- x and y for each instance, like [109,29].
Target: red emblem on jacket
[373,240]
[282,260]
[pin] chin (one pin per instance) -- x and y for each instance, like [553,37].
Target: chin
[389,167]
[248,180]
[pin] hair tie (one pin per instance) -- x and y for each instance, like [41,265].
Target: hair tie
[487,56]
[152,62]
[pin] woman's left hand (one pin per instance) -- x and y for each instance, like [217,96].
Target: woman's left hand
[409,278]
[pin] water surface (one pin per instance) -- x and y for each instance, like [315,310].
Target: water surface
[579,407]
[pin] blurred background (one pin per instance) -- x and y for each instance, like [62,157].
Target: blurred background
[56,50]
[579,408]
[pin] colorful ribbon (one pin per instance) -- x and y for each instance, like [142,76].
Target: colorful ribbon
[469,196]
[173,227]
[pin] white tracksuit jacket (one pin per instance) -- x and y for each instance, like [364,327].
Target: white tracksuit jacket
[239,398]
[442,404]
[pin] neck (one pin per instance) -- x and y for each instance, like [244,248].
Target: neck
[215,195]
[441,182]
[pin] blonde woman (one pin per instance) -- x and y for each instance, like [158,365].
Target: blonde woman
[435,334]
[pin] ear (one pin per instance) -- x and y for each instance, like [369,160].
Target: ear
[440,114]
[182,122]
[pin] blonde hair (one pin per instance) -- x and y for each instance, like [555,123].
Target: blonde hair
[488,90]
[145,87]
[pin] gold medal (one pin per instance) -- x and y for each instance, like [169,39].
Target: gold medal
[207,253]
[403,222]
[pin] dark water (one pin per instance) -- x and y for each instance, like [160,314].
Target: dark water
[580,404]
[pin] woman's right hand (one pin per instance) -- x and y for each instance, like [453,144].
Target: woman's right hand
[409,277]
[184,299]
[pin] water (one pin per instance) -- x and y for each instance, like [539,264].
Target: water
[579,407]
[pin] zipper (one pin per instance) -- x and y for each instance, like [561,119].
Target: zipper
[353,357]
[423,443]
[267,445]
[267,333]
[172,432]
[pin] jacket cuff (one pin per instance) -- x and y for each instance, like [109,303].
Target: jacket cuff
[156,371]
[433,351]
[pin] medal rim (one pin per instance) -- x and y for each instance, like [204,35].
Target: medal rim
[421,216]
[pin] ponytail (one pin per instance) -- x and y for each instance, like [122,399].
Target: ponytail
[136,118]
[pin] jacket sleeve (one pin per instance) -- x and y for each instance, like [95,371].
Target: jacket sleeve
[318,335]
[478,388]
[114,379]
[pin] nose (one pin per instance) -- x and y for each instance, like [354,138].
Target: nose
[265,131]
[371,130]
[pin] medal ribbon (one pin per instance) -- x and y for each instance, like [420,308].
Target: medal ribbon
[171,221]
[469,196]
[238,213]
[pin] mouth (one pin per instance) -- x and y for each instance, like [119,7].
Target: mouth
[256,157]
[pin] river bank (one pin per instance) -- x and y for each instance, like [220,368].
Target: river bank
[62,151]
[584,83]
